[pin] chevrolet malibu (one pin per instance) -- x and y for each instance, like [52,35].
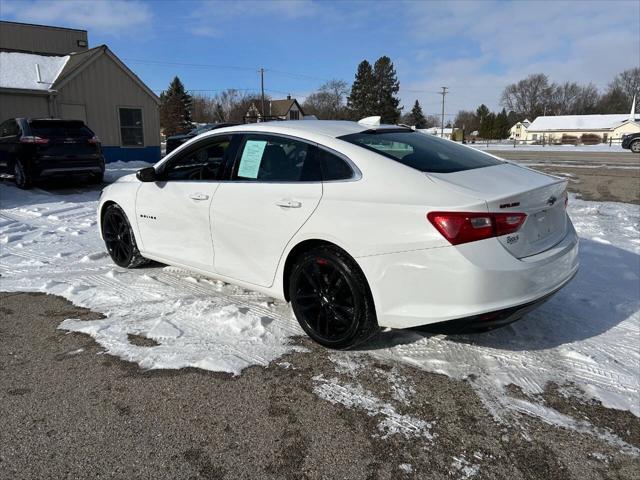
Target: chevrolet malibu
[358,225]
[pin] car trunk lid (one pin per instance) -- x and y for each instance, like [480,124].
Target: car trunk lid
[511,188]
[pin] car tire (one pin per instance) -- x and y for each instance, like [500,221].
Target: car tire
[331,298]
[119,238]
[21,176]
[635,146]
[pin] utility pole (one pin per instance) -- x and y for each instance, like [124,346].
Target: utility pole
[443,93]
[264,113]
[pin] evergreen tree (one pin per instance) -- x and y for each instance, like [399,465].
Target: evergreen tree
[502,125]
[416,117]
[484,123]
[175,109]
[361,99]
[386,87]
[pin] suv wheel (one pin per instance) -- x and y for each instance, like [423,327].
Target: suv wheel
[635,146]
[331,299]
[22,178]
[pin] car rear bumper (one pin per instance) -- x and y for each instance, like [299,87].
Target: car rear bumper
[471,280]
[58,167]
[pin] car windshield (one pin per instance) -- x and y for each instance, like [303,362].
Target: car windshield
[54,128]
[422,151]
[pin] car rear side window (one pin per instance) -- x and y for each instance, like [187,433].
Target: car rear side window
[422,151]
[270,158]
[60,129]
[333,167]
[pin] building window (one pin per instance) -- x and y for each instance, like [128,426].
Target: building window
[294,115]
[535,136]
[131,127]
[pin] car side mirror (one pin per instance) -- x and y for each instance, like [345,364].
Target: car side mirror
[147,174]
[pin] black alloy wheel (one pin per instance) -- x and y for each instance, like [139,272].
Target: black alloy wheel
[119,238]
[331,299]
[20,175]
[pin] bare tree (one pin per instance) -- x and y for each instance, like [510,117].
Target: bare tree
[329,102]
[529,97]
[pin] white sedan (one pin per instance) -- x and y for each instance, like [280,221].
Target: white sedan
[358,225]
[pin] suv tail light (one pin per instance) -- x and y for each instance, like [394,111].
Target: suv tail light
[464,227]
[94,140]
[34,139]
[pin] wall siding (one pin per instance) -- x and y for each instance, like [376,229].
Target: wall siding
[40,38]
[102,87]
[13,105]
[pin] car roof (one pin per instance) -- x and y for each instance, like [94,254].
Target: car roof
[329,128]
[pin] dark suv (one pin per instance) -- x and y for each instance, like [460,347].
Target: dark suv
[32,149]
[632,142]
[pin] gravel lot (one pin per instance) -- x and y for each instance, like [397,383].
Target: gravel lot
[70,411]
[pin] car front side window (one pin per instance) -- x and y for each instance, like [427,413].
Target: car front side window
[203,162]
[270,158]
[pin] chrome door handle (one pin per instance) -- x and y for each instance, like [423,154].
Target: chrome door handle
[198,196]
[289,204]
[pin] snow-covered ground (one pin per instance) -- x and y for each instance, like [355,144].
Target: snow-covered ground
[587,335]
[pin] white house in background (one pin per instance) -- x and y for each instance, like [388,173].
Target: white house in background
[519,130]
[574,127]
[438,132]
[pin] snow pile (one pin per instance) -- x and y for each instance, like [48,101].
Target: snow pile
[20,70]
[50,243]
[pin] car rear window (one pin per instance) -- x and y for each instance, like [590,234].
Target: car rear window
[422,151]
[52,129]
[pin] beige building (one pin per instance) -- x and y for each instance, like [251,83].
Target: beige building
[69,81]
[286,109]
[582,128]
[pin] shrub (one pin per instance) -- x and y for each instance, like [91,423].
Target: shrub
[590,139]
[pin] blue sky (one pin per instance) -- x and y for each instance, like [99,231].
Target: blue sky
[473,47]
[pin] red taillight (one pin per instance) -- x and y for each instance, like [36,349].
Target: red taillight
[94,140]
[34,139]
[464,227]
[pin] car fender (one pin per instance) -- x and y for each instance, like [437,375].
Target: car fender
[124,194]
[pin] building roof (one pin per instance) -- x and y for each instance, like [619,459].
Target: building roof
[436,130]
[277,108]
[20,70]
[579,122]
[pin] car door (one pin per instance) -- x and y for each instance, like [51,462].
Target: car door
[274,187]
[173,212]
